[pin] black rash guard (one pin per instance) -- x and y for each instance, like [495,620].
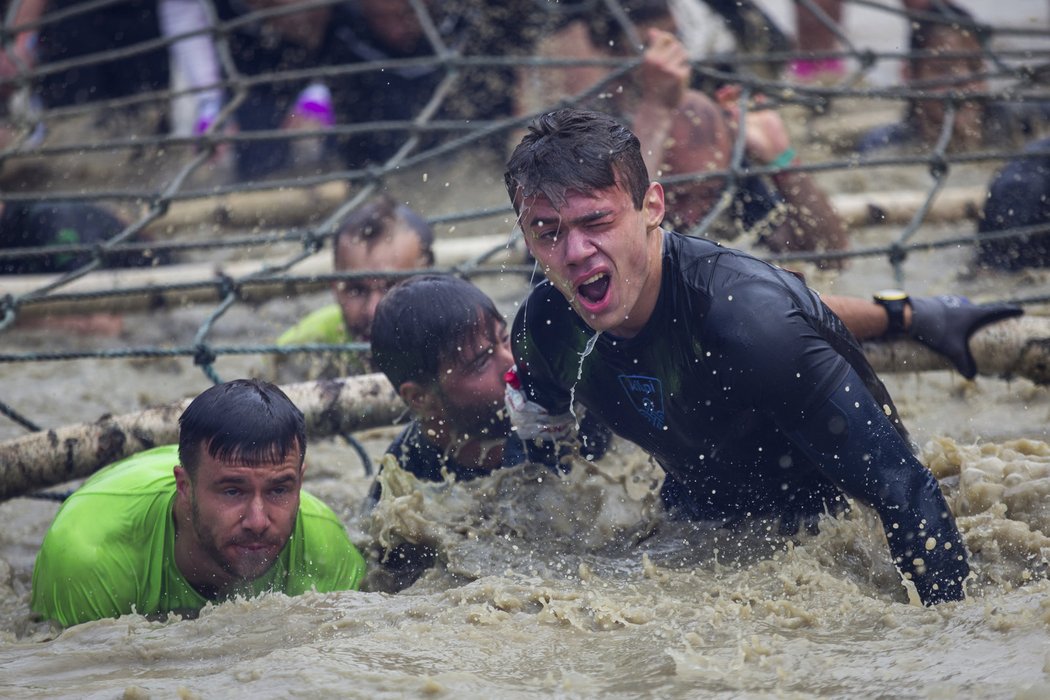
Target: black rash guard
[416,454]
[425,460]
[754,398]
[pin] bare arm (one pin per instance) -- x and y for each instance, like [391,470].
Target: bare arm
[682,131]
[864,318]
[811,222]
[665,83]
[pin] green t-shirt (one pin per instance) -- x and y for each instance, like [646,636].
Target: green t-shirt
[325,325]
[111,549]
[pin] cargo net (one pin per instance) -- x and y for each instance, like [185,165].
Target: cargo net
[230,141]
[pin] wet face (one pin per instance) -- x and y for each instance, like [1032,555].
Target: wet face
[235,518]
[397,249]
[470,386]
[940,75]
[600,252]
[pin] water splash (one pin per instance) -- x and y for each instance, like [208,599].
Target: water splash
[587,349]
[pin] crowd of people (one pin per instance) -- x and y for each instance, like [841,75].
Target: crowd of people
[747,387]
[326,70]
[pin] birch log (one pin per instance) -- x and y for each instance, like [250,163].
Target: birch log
[1014,348]
[1017,347]
[266,208]
[55,456]
[154,282]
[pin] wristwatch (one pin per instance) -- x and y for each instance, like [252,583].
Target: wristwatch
[894,301]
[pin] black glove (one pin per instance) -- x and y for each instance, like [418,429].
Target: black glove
[945,324]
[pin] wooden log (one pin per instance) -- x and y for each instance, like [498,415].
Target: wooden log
[898,207]
[855,209]
[1018,347]
[447,252]
[246,210]
[889,207]
[51,457]
[1013,348]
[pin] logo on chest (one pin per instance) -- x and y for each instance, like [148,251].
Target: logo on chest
[646,395]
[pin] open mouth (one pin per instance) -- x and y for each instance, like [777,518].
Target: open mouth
[594,289]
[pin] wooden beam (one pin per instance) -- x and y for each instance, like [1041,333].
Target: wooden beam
[56,456]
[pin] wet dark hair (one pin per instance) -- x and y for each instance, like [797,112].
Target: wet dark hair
[246,420]
[423,322]
[375,217]
[574,149]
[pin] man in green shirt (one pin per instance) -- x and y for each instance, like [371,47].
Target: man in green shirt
[221,514]
[381,235]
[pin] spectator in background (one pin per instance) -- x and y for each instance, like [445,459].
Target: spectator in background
[817,35]
[18,105]
[65,225]
[946,28]
[390,30]
[194,66]
[284,42]
[380,235]
[339,35]
[385,30]
[47,224]
[1018,196]
[706,27]
[82,35]
[301,40]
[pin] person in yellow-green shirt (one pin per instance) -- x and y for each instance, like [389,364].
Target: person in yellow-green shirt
[221,514]
[381,235]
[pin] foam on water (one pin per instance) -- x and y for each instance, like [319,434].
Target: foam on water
[578,586]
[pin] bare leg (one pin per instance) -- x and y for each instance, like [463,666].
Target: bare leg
[811,32]
[813,36]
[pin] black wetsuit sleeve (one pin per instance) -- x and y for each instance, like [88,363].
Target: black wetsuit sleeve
[538,380]
[767,351]
[855,446]
[414,455]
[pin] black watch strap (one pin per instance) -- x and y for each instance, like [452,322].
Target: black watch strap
[894,301]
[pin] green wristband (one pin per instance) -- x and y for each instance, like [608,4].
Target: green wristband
[784,159]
